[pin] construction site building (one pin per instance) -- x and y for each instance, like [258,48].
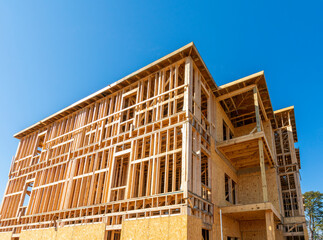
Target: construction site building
[163,153]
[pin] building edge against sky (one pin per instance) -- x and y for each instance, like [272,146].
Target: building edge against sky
[162,153]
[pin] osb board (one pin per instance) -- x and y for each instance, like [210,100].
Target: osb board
[90,231]
[158,228]
[254,225]
[272,187]
[256,235]
[244,130]
[250,188]
[218,170]
[230,227]
[39,234]
[5,235]
[269,134]
[253,230]
[194,228]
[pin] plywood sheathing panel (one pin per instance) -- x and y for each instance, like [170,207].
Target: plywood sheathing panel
[86,232]
[255,230]
[41,234]
[219,168]
[230,228]
[247,129]
[5,235]
[250,191]
[171,227]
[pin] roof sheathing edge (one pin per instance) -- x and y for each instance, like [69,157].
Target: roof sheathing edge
[240,80]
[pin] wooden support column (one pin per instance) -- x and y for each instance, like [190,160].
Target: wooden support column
[255,98]
[263,171]
[112,172]
[187,130]
[129,183]
[270,225]
[211,121]
[68,185]
[196,138]
[196,164]
[261,148]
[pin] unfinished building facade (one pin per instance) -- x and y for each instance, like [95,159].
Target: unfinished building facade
[163,153]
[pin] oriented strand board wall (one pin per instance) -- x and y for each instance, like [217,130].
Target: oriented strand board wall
[253,230]
[256,230]
[41,234]
[219,168]
[230,228]
[91,232]
[250,188]
[170,227]
[272,185]
[5,235]
[244,130]
[194,228]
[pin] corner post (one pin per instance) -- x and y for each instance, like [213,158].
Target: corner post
[255,98]
[261,148]
[270,225]
[187,129]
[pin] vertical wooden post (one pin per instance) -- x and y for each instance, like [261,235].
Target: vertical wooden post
[263,170]
[129,184]
[188,78]
[187,130]
[261,148]
[255,98]
[211,130]
[112,171]
[270,225]
[68,184]
[197,186]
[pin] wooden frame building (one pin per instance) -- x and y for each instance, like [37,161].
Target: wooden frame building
[163,153]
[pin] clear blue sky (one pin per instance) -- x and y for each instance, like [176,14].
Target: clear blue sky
[53,53]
